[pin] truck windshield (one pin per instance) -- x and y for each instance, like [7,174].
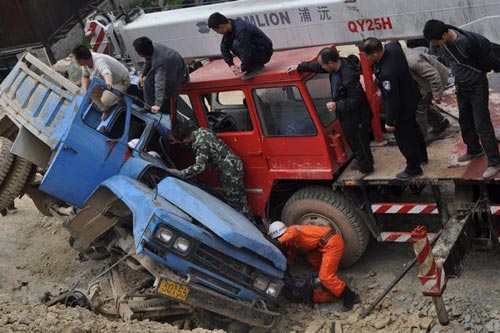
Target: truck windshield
[319,90]
[282,112]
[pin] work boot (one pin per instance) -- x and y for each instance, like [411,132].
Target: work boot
[491,171]
[468,157]
[251,73]
[349,298]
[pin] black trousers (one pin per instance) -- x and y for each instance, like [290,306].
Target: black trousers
[475,121]
[258,58]
[356,128]
[411,144]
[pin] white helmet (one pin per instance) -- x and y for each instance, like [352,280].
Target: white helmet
[276,229]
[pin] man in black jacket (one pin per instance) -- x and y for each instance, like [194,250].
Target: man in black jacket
[244,40]
[462,51]
[348,101]
[400,96]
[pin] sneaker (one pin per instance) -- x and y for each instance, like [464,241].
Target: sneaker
[405,175]
[491,171]
[251,73]
[468,157]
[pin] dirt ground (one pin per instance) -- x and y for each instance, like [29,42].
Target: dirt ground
[36,258]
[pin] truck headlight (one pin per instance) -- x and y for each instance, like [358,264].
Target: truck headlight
[182,244]
[164,235]
[261,282]
[274,289]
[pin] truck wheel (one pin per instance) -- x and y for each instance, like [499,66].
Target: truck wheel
[317,205]
[15,180]
[6,158]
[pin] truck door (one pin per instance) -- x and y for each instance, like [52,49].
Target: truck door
[92,151]
[240,132]
[293,145]
[226,113]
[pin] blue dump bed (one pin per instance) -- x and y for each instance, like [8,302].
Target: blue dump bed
[39,99]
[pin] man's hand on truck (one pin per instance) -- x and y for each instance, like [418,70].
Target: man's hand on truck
[236,70]
[331,106]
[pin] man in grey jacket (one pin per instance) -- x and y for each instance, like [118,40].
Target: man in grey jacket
[164,72]
[432,79]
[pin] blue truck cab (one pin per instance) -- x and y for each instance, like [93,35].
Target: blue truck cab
[200,251]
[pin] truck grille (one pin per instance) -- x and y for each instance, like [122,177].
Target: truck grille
[217,262]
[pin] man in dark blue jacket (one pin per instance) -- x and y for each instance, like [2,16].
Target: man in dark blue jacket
[348,101]
[400,96]
[245,41]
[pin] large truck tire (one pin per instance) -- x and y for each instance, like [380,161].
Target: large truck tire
[14,181]
[318,205]
[6,158]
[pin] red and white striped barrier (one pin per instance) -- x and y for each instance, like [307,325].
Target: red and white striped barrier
[401,237]
[96,35]
[406,208]
[432,276]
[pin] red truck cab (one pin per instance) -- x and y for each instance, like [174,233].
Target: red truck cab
[276,122]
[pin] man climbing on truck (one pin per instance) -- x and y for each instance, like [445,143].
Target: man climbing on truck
[107,68]
[324,248]
[164,72]
[211,150]
[246,41]
[348,101]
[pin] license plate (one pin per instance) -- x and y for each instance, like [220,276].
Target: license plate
[174,290]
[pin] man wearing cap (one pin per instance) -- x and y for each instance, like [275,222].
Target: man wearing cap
[323,248]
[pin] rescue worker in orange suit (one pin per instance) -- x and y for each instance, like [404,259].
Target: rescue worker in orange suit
[323,248]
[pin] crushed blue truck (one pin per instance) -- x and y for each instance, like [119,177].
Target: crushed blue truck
[196,249]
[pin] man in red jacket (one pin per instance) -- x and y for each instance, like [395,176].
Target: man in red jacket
[323,248]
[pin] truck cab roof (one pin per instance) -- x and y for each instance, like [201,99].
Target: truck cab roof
[217,73]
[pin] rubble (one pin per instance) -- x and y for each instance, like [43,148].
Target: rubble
[24,280]
[15,317]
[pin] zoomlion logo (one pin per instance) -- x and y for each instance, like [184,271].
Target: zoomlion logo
[203,27]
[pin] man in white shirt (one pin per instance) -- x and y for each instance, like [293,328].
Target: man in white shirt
[106,68]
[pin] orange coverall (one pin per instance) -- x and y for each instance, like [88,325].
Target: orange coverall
[306,238]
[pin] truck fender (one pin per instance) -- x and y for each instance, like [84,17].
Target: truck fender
[141,201]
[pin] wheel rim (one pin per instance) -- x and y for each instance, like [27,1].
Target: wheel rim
[319,219]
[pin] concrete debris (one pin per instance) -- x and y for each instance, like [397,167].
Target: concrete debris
[30,318]
[381,323]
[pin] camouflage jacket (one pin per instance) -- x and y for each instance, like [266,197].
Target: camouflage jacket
[210,150]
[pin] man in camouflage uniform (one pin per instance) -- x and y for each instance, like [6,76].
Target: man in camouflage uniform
[210,150]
